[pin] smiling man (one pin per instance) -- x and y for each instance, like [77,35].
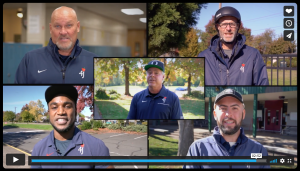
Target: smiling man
[228,138]
[66,139]
[63,60]
[228,60]
[155,102]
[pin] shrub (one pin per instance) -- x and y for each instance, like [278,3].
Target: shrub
[79,127]
[195,94]
[135,128]
[287,61]
[98,124]
[114,126]
[92,122]
[144,123]
[113,92]
[86,125]
[95,129]
[101,94]
[114,96]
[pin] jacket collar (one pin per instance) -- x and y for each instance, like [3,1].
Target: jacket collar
[75,51]
[241,139]
[215,46]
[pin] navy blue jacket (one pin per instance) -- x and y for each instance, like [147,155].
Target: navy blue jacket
[217,72]
[82,144]
[210,146]
[165,105]
[43,66]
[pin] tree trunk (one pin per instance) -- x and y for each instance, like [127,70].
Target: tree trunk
[126,80]
[186,136]
[189,83]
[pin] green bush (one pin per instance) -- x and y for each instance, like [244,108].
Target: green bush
[86,125]
[79,127]
[195,94]
[135,128]
[92,122]
[114,96]
[113,92]
[144,123]
[95,129]
[120,122]
[98,124]
[101,94]
[114,126]
[294,62]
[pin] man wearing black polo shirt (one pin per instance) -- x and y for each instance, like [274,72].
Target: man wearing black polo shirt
[155,102]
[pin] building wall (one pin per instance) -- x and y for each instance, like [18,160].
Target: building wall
[12,24]
[95,30]
[292,107]
[137,37]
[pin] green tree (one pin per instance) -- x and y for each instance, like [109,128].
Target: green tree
[279,46]
[168,24]
[36,109]
[192,48]
[27,116]
[9,116]
[263,41]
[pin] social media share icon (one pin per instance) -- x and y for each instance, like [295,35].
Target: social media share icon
[288,10]
[288,23]
[256,155]
[288,35]
[15,159]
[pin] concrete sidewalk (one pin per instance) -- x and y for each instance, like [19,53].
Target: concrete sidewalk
[283,143]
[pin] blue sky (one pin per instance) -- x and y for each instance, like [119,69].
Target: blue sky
[256,16]
[18,96]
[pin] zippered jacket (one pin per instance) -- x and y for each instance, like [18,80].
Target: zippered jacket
[209,146]
[43,66]
[245,67]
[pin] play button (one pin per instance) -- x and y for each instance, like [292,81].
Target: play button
[15,159]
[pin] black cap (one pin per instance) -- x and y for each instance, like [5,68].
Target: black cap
[156,64]
[229,92]
[67,90]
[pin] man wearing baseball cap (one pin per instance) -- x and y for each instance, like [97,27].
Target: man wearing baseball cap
[66,139]
[228,138]
[155,102]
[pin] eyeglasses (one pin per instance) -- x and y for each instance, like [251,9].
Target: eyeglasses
[232,25]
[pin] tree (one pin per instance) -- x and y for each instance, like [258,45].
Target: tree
[26,116]
[191,69]
[25,107]
[263,41]
[279,46]
[9,116]
[85,97]
[168,24]
[36,109]
[186,136]
[193,46]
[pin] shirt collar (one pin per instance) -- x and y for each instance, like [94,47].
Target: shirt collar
[219,138]
[161,93]
[77,138]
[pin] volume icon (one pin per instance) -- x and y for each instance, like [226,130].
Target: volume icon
[273,161]
[289,35]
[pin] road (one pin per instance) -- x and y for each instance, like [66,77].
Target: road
[18,140]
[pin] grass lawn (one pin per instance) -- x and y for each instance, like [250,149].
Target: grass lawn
[192,109]
[280,76]
[31,126]
[113,109]
[162,146]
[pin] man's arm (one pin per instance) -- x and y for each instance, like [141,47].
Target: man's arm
[260,74]
[133,109]
[21,74]
[176,110]
[193,151]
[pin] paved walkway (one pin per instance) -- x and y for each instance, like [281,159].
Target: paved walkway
[265,138]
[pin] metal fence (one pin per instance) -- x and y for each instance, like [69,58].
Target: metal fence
[281,64]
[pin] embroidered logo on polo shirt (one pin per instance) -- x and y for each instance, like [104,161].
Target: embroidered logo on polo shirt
[80,149]
[82,72]
[49,154]
[164,101]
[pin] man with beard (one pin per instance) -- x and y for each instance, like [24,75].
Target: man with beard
[63,61]
[228,138]
[155,102]
[66,139]
[228,60]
